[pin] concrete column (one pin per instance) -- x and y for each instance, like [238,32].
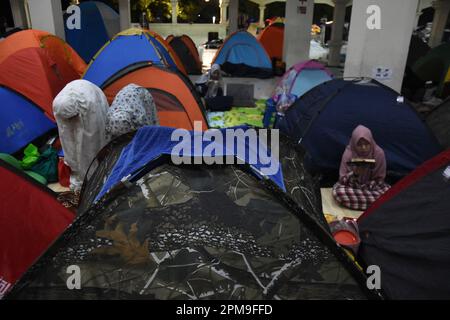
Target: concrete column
[442,8]
[223,10]
[19,14]
[125,16]
[261,15]
[337,32]
[174,11]
[385,48]
[297,31]
[233,13]
[47,15]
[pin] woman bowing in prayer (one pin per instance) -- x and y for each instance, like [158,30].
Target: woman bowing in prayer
[80,111]
[362,172]
[132,108]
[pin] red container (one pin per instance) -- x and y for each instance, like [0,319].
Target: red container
[346,233]
[63,173]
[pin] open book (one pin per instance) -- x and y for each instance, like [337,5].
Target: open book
[361,162]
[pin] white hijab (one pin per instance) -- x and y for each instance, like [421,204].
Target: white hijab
[80,111]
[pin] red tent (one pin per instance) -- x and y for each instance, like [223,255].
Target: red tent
[30,220]
[406,233]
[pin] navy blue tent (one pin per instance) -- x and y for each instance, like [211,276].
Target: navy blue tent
[21,121]
[242,55]
[323,119]
[99,23]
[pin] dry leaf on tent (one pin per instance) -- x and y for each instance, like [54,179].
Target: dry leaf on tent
[128,247]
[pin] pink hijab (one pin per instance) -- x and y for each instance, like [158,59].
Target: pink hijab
[379,172]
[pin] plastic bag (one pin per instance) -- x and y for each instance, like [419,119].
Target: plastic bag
[31,153]
[47,165]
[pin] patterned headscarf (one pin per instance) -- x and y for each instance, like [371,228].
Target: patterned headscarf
[132,108]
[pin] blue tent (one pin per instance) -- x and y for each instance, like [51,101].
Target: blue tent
[126,49]
[242,55]
[99,23]
[150,143]
[21,121]
[324,118]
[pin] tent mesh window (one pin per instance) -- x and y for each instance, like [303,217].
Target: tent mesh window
[99,170]
[165,101]
[181,233]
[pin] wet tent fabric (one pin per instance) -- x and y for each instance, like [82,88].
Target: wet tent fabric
[241,55]
[31,219]
[175,97]
[129,47]
[187,52]
[152,142]
[407,233]
[21,121]
[302,77]
[195,232]
[99,23]
[439,122]
[272,39]
[323,119]
[434,66]
[56,48]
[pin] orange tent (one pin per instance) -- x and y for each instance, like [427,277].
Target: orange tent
[56,48]
[37,76]
[272,39]
[169,38]
[175,97]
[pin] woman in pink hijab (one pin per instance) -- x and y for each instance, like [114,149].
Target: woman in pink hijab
[362,172]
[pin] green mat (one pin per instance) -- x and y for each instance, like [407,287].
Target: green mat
[237,116]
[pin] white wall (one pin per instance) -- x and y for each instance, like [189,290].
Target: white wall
[387,47]
[297,32]
[47,15]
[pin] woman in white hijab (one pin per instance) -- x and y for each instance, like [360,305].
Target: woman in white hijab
[80,111]
[132,108]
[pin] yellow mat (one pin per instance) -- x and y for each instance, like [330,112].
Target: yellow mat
[331,208]
[56,187]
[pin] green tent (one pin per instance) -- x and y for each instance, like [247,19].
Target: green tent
[435,66]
